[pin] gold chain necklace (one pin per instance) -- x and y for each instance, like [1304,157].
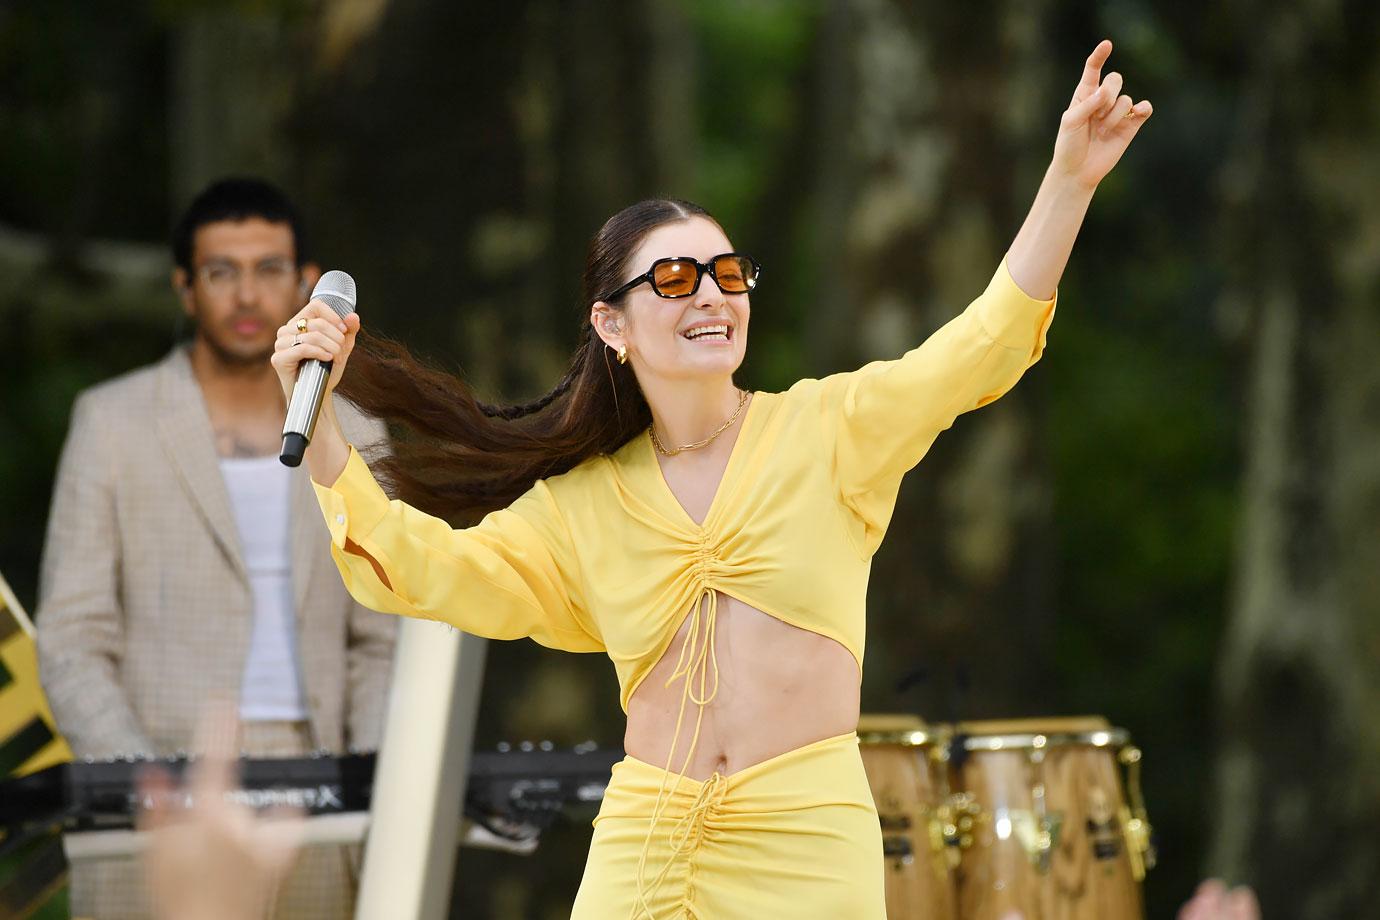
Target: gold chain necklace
[656,442]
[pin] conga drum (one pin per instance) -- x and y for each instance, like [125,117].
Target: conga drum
[905,769]
[1046,827]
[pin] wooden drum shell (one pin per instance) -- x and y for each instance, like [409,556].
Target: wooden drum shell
[908,787]
[1087,871]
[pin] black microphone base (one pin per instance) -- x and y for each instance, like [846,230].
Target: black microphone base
[294,446]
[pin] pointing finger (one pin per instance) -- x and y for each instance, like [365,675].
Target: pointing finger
[1092,70]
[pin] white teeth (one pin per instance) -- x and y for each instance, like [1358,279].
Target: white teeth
[702,331]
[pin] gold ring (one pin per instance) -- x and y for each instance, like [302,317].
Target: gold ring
[301,325]
[1129,113]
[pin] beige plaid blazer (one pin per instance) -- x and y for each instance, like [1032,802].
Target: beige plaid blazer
[144,601]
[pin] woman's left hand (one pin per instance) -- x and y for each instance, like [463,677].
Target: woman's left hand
[1098,125]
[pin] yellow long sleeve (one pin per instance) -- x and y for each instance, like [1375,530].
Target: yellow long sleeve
[512,575]
[882,418]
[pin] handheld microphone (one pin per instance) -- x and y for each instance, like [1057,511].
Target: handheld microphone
[337,291]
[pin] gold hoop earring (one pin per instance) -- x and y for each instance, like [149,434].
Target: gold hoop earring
[622,354]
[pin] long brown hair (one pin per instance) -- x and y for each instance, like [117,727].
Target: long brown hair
[458,458]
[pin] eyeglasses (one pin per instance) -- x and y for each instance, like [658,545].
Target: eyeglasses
[223,277]
[679,276]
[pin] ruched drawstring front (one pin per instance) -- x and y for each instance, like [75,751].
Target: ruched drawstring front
[698,665]
[795,836]
[689,830]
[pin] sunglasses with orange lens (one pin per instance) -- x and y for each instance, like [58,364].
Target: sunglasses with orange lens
[680,276]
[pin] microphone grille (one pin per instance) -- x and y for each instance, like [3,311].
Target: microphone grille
[336,289]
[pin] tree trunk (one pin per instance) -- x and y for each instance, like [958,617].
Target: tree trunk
[1298,777]
[941,159]
[233,86]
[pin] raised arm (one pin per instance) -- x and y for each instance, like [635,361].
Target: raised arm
[1094,131]
[880,420]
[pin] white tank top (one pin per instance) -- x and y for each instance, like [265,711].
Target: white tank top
[261,496]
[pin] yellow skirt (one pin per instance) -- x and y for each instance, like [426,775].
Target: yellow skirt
[794,836]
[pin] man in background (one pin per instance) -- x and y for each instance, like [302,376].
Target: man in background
[183,562]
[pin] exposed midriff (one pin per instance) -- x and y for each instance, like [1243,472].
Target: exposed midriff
[780,688]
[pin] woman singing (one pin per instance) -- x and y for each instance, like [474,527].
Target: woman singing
[714,543]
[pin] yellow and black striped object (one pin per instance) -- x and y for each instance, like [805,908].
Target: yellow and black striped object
[32,869]
[28,739]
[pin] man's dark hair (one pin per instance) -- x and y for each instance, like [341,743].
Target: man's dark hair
[236,198]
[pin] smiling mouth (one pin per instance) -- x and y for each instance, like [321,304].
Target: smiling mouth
[715,333]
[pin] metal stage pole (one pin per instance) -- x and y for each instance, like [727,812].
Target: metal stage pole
[419,784]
